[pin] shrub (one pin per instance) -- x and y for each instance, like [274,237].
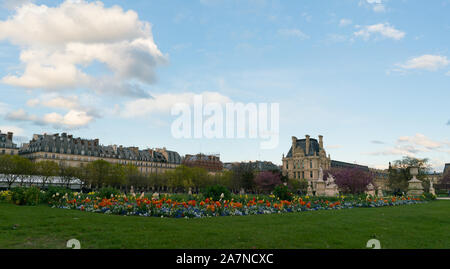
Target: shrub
[54,194]
[5,195]
[216,191]
[352,180]
[429,197]
[282,192]
[26,196]
[266,181]
[107,192]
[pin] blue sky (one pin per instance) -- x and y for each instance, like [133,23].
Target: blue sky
[372,76]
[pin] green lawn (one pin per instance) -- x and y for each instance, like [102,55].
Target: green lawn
[413,226]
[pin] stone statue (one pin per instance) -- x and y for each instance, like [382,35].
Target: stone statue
[370,190]
[309,190]
[330,180]
[380,192]
[432,190]
[320,174]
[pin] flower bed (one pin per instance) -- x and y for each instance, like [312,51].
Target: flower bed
[198,208]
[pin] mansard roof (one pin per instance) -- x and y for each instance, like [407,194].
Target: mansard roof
[313,147]
[65,144]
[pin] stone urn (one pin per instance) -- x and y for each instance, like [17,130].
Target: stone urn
[415,187]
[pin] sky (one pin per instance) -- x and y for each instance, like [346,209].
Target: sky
[371,76]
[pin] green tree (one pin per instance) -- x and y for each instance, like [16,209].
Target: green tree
[118,176]
[98,173]
[15,168]
[47,170]
[24,167]
[68,173]
[298,185]
[399,172]
[131,176]
[243,177]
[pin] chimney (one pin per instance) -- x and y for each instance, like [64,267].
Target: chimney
[307,144]
[10,136]
[321,141]
[294,142]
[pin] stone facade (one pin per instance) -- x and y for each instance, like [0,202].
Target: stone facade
[210,163]
[305,158]
[65,149]
[7,145]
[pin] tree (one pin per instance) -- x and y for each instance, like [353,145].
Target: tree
[98,173]
[24,168]
[68,174]
[297,185]
[47,170]
[351,180]
[399,174]
[243,177]
[118,175]
[266,181]
[8,169]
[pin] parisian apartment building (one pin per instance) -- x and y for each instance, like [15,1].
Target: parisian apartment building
[76,151]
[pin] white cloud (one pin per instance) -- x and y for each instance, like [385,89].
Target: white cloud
[69,102]
[427,62]
[14,129]
[293,33]
[421,140]
[406,150]
[12,4]
[70,120]
[58,42]
[413,145]
[345,22]
[375,5]
[382,29]
[163,103]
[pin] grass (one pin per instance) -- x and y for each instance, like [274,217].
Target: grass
[412,227]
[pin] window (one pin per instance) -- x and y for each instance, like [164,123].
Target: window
[311,164]
[311,174]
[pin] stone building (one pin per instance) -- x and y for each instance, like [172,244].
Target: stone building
[67,150]
[210,163]
[307,156]
[7,145]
